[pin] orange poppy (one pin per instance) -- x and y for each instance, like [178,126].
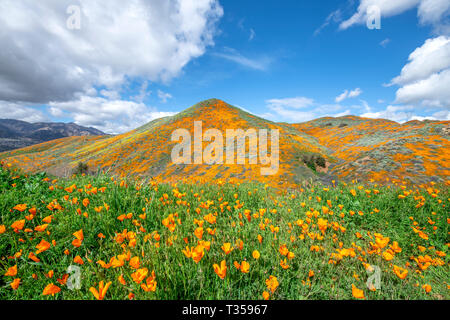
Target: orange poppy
[221,270]
[51,289]
[357,293]
[101,292]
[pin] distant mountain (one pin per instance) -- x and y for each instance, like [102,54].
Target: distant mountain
[324,149]
[15,134]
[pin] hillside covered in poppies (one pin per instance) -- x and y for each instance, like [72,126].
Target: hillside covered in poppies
[324,149]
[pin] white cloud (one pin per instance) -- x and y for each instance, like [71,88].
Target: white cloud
[355,93]
[163,96]
[143,93]
[10,110]
[259,63]
[429,11]
[425,79]
[348,94]
[42,60]
[296,103]
[252,35]
[394,113]
[385,42]
[406,113]
[335,16]
[292,110]
[110,116]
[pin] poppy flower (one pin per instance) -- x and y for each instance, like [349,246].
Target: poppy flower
[79,234]
[51,289]
[150,284]
[227,248]
[272,283]
[357,293]
[18,225]
[42,246]
[101,292]
[388,255]
[199,232]
[41,228]
[266,295]
[122,280]
[20,207]
[2,229]
[221,270]
[12,271]
[78,260]
[63,280]
[283,250]
[245,267]
[256,254]
[134,263]
[33,257]
[427,288]
[187,252]
[15,284]
[284,264]
[197,253]
[139,275]
[400,272]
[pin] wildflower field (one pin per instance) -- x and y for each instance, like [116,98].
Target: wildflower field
[143,240]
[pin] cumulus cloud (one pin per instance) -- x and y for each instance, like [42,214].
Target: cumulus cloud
[43,60]
[428,11]
[404,113]
[76,71]
[110,116]
[395,113]
[300,109]
[348,94]
[425,79]
[17,111]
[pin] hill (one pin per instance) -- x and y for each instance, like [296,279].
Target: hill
[418,151]
[15,134]
[321,150]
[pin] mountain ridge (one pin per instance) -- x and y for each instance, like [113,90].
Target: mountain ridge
[323,149]
[16,134]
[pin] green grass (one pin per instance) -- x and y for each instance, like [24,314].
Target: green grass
[179,277]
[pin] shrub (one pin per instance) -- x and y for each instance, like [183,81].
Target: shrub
[81,168]
[314,160]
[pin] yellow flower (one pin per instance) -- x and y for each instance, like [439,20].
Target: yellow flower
[227,248]
[256,254]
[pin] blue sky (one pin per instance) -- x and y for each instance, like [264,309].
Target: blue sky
[283,60]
